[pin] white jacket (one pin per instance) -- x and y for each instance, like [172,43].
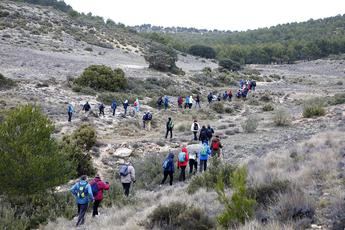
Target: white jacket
[192,127]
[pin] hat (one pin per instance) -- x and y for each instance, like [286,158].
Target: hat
[98,176]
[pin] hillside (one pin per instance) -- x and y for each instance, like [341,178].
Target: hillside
[283,145]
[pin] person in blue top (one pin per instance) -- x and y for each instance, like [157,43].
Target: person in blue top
[186,103]
[204,153]
[83,193]
[114,106]
[166,102]
[70,111]
[168,168]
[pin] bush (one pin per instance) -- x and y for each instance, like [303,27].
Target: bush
[89,49]
[6,83]
[218,107]
[337,99]
[268,107]
[30,160]
[240,207]
[230,65]
[282,117]
[209,178]
[179,216]
[202,51]
[313,108]
[100,77]
[250,124]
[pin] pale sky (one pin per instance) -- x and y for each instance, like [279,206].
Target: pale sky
[210,14]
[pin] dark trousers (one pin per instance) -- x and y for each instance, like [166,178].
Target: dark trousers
[101,112]
[186,105]
[203,165]
[114,110]
[195,137]
[171,176]
[95,207]
[193,164]
[125,111]
[82,208]
[197,103]
[70,116]
[190,105]
[168,131]
[126,187]
[166,106]
[182,173]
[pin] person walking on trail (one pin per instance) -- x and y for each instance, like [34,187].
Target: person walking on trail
[97,187]
[147,118]
[136,105]
[166,102]
[168,169]
[210,98]
[216,146]
[180,102]
[170,126]
[205,151]
[125,106]
[70,111]
[195,129]
[203,134]
[186,103]
[87,107]
[229,94]
[83,193]
[160,103]
[101,109]
[127,174]
[253,84]
[114,106]
[182,162]
[197,101]
[193,162]
[191,101]
[210,133]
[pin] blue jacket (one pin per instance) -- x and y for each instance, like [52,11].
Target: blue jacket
[170,166]
[208,152]
[70,109]
[113,105]
[166,100]
[187,100]
[88,196]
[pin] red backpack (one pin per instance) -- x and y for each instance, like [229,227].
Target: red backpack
[215,144]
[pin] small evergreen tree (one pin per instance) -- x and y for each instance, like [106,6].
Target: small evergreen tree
[30,161]
[202,51]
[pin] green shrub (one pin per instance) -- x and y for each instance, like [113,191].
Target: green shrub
[30,160]
[250,124]
[100,77]
[6,83]
[313,108]
[268,107]
[202,51]
[240,207]
[85,136]
[209,178]
[230,65]
[253,101]
[89,49]
[179,216]
[218,107]
[282,117]
[339,83]
[337,99]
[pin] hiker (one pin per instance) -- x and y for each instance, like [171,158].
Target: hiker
[229,94]
[219,97]
[182,162]
[253,83]
[210,98]
[193,162]
[114,106]
[203,134]
[216,146]
[101,109]
[180,102]
[241,83]
[166,102]
[197,101]
[239,94]
[147,118]
[86,107]
[170,126]
[83,193]
[191,102]
[225,95]
[244,93]
[136,105]
[195,129]
[97,187]
[160,103]
[168,168]
[186,104]
[127,173]
[70,111]
[210,133]
[125,106]
[203,156]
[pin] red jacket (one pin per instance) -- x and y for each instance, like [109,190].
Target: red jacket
[101,186]
[185,163]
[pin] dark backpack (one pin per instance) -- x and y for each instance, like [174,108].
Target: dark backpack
[94,188]
[149,116]
[196,127]
[165,164]
[82,191]
[124,170]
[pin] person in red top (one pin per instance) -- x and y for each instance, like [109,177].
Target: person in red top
[182,162]
[99,194]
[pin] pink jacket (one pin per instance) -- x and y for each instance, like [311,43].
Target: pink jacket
[101,186]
